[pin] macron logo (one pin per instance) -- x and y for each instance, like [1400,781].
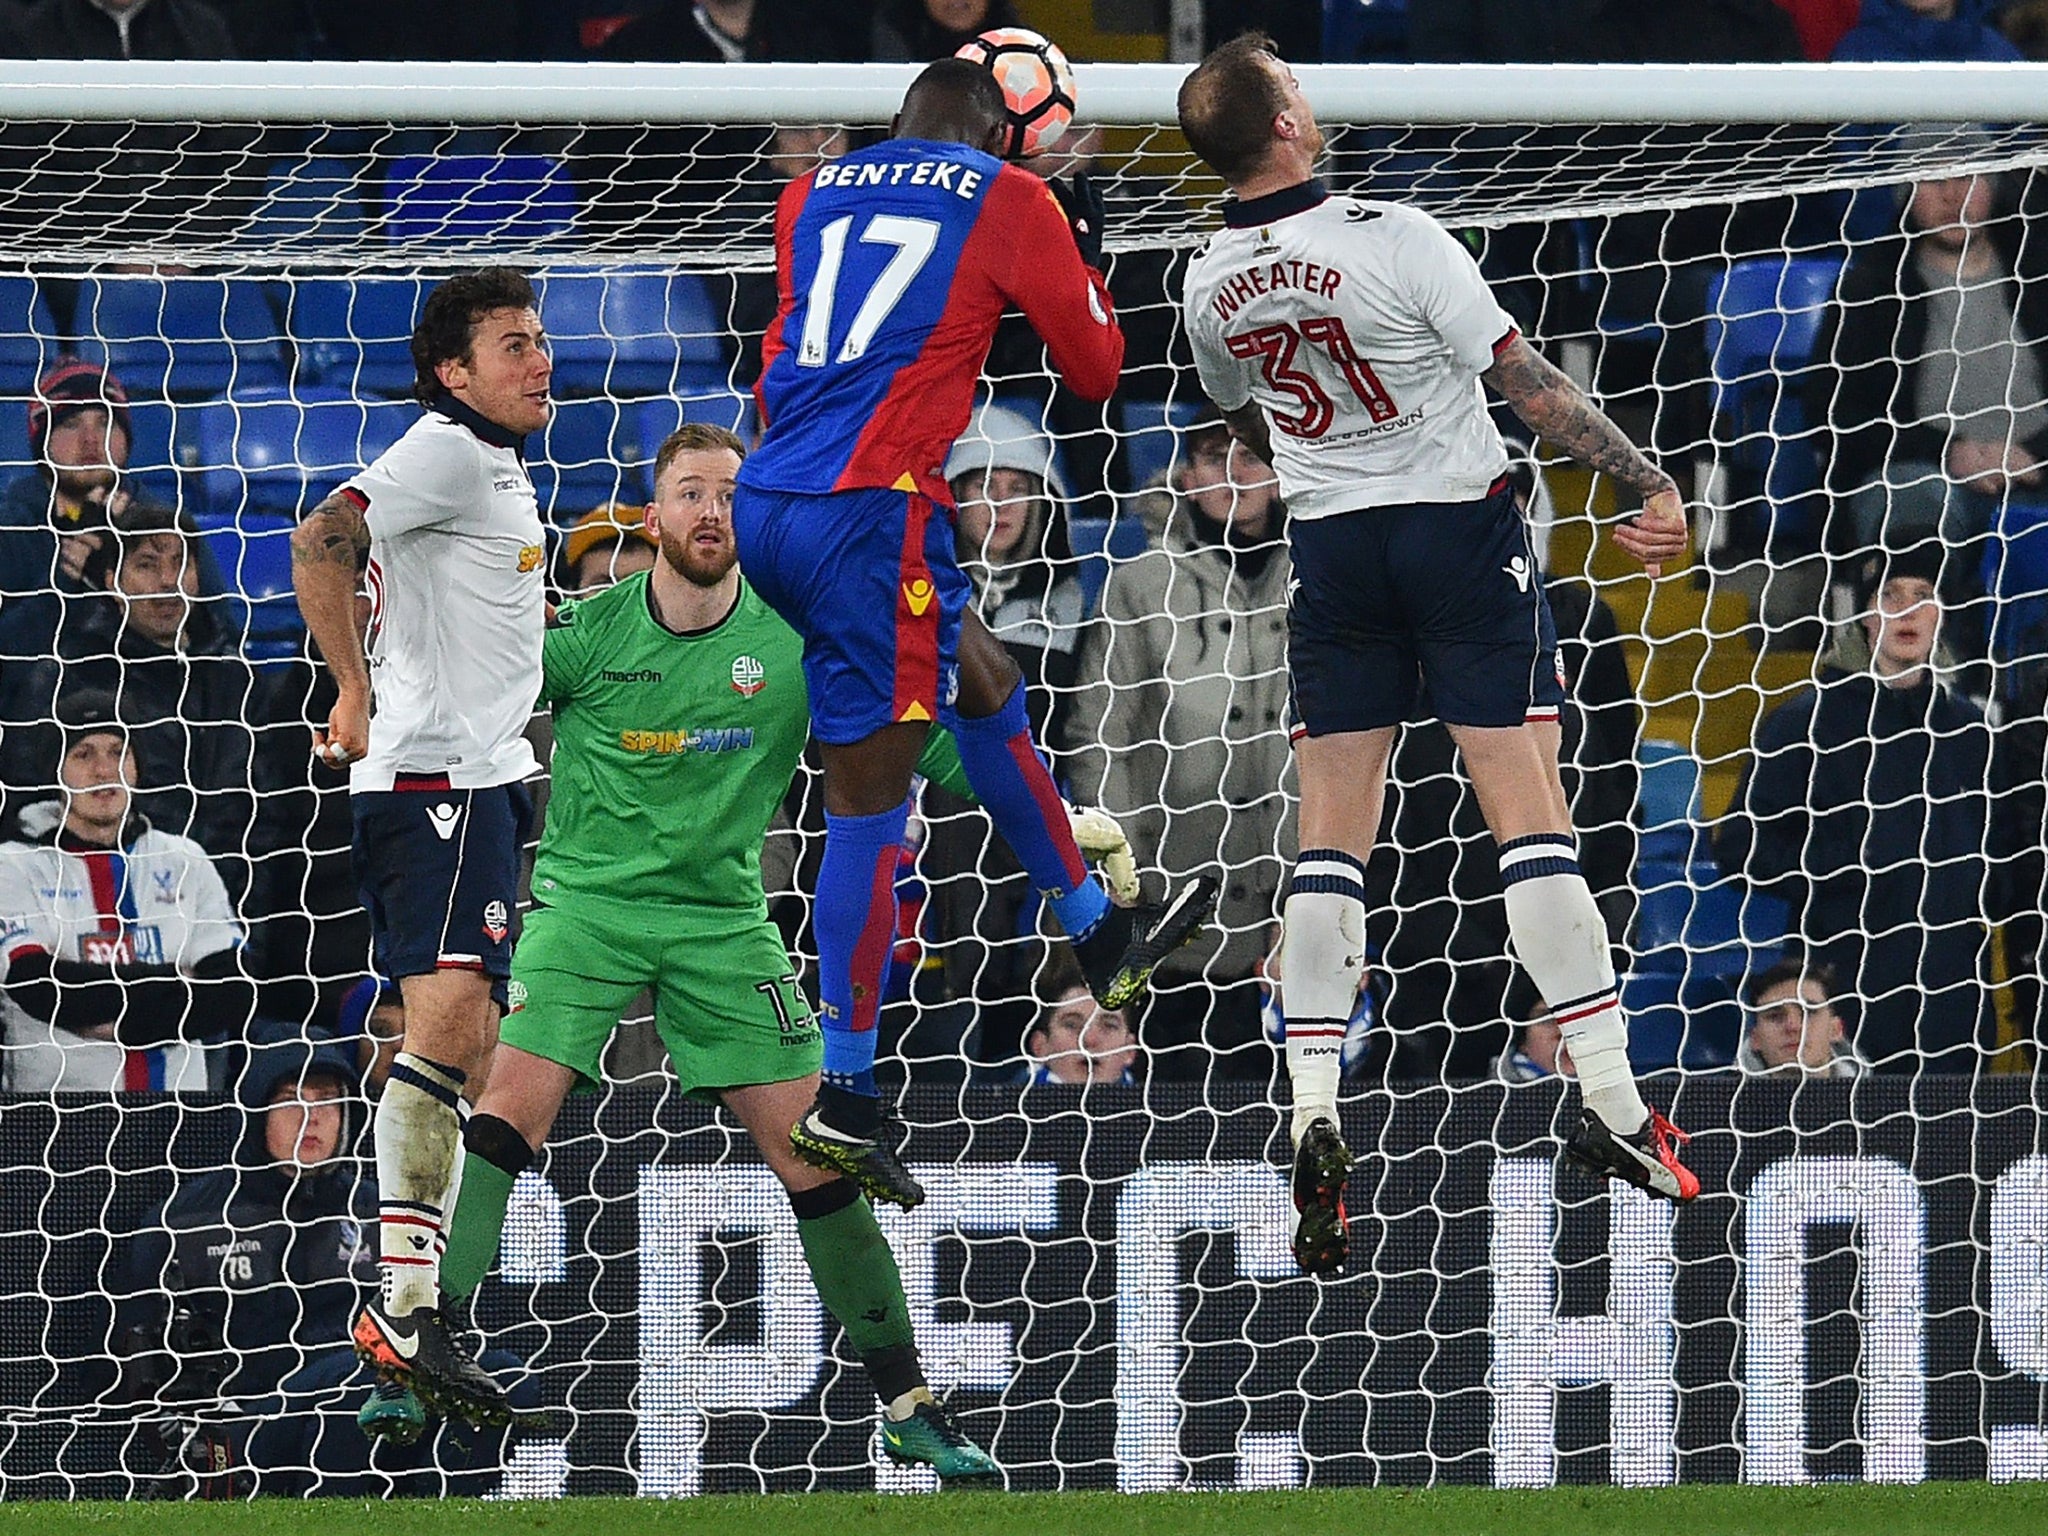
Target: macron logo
[1519,569]
[444,816]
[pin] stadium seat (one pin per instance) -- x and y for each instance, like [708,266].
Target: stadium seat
[649,422]
[455,199]
[633,333]
[1763,323]
[1151,437]
[153,461]
[283,451]
[1364,29]
[182,336]
[2015,574]
[253,550]
[356,333]
[313,202]
[28,331]
[1656,1021]
[1669,800]
[577,463]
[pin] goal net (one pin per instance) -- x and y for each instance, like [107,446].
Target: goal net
[1818,296]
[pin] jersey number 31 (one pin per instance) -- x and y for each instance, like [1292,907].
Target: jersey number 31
[914,240]
[1275,347]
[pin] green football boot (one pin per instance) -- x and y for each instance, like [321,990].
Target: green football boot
[392,1413]
[929,1437]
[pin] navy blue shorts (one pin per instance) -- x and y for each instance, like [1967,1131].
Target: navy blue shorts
[1433,610]
[870,580]
[439,875]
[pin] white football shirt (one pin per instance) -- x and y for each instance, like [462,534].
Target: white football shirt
[1360,329]
[456,605]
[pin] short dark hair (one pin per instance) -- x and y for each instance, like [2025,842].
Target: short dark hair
[131,527]
[1792,970]
[447,329]
[1228,103]
[695,437]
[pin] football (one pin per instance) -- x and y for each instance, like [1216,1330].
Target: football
[1037,82]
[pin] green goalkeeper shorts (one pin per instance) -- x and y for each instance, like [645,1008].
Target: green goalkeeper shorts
[727,1005]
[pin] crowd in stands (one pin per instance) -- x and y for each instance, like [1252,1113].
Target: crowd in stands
[178,910]
[1143,596]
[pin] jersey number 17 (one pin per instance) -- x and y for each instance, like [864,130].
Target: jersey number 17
[914,240]
[1275,347]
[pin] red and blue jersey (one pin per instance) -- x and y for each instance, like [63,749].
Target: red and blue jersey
[893,266]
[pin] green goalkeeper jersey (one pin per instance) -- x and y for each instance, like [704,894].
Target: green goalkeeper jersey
[673,754]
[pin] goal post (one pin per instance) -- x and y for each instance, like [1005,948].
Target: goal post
[1101,1278]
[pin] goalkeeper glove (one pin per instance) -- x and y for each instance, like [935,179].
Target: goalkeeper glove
[1080,199]
[1098,836]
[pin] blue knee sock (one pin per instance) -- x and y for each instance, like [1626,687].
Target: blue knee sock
[1012,781]
[855,922]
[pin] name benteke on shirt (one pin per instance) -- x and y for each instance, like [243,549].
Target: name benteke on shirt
[960,180]
[1273,277]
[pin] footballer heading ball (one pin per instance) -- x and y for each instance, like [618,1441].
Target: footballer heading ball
[1037,82]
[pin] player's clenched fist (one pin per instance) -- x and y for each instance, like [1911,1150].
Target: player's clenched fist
[347,737]
[1658,534]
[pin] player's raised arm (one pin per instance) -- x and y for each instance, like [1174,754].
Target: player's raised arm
[1557,410]
[1053,279]
[328,550]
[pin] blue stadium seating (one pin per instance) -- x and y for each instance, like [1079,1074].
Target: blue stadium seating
[451,199]
[1669,800]
[356,333]
[575,464]
[182,336]
[1364,29]
[282,451]
[2015,574]
[1656,1020]
[253,550]
[28,331]
[1151,437]
[153,461]
[633,333]
[315,201]
[1763,323]
[648,422]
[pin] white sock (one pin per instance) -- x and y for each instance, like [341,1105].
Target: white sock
[419,1132]
[1321,960]
[451,1201]
[1561,940]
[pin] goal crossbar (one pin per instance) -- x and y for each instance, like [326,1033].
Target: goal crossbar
[1112,94]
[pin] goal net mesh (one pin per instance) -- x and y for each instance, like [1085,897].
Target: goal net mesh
[1101,1278]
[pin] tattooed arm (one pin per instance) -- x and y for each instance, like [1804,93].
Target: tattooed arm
[328,550]
[1558,411]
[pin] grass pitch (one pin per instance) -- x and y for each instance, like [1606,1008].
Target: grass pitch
[1942,1509]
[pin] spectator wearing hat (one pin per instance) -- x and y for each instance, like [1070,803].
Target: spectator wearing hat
[1794,1029]
[604,546]
[118,946]
[1180,732]
[238,1291]
[1013,544]
[980,912]
[1876,805]
[52,514]
[200,716]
